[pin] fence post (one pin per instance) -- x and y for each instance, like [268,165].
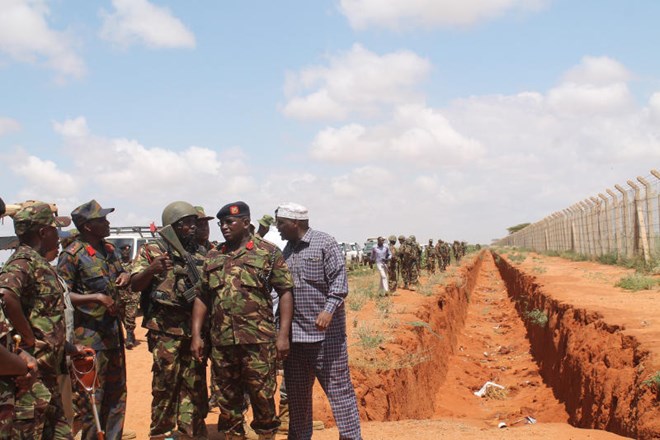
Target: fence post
[608,229]
[648,193]
[640,224]
[626,220]
[617,223]
[588,214]
[598,235]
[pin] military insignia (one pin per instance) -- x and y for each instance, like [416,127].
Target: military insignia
[250,245]
[90,250]
[233,210]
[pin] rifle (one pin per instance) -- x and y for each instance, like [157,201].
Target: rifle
[10,210]
[169,235]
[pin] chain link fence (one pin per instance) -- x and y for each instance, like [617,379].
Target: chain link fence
[622,222]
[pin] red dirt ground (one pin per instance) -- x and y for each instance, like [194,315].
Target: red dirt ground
[441,348]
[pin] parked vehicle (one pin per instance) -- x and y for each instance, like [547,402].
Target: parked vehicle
[134,236]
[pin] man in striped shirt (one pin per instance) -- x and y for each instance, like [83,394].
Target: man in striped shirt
[318,333]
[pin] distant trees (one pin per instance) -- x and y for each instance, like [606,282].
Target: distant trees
[517,228]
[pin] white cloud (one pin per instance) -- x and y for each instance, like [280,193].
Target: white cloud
[45,180]
[404,14]
[8,125]
[357,82]
[415,134]
[25,36]
[139,21]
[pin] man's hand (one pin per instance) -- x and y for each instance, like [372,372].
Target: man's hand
[197,347]
[107,302]
[160,264]
[282,344]
[26,381]
[123,279]
[323,320]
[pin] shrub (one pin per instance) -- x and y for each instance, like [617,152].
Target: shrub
[653,381]
[538,317]
[636,282]
[368,337]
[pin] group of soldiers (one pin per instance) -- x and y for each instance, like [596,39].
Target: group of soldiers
[407,260]
[201,301]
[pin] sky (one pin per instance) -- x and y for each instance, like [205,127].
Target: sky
[439,118]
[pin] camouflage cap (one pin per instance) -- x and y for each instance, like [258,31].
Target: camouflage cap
[36,215]
[201,215]
[412,238]
[401,237]
[89,211]
[391,238]
[266,221]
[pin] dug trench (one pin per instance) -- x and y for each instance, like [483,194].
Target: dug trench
[491,321]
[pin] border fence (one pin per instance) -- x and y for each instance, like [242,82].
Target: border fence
[623,222]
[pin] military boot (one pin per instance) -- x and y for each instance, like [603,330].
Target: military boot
[130,339]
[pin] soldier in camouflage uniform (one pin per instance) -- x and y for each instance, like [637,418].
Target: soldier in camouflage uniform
[180,397]
[128,300]
[416,260]
[93,272]
[392,265]
[456,249]
[430,257]
[34,303]
[265,223]
[404,259]
[235,291]
[202,231]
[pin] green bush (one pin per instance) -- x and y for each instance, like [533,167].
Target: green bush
[537,317]
[636,282]
[368,337]
[653,381]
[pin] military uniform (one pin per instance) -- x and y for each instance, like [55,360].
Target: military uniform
[430,258]
[392,265]
[88,271]
[7,387]
[179,395]
[236,289]
[416,257]
[38,411]
[128,307]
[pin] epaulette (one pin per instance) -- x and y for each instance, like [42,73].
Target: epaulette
[74,248]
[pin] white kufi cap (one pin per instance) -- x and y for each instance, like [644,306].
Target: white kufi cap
[293,211]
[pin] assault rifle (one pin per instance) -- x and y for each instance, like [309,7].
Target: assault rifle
[169,235]
[12,209]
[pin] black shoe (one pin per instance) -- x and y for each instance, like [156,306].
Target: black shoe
[130,340]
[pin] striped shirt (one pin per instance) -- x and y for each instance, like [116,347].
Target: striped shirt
[319,276]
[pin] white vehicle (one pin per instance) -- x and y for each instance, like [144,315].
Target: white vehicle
[351,251]
[134,236]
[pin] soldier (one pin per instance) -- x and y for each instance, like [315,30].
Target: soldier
[404,259]
[34,303]
[235,291]
[440,257]
[416,257]
[93,272]
[392,265]
[456,249]
[179,390]
[430,257]
[265,223]
[202,231]
[128,300]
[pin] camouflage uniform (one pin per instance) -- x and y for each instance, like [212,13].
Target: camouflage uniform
[236,289]
[392,265]
[39,412]
[7,388]
[178,389]
[128,303]
[87,271]
[456,248]
[430,258]
[404,261]
[416,257]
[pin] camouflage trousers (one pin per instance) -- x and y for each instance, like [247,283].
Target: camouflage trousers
[244,368]
[110,396]
[178,388]
[414,273]
[39,414]
[7,391]
[391,276]
[430,265]
[128,308]
[406,273]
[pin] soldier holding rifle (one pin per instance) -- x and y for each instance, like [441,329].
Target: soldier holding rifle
[162,272]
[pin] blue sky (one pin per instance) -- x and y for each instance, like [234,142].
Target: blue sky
[438,118]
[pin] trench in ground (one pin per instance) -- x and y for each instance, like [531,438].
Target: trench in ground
[480,329]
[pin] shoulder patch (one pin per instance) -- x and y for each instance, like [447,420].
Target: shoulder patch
[74,248]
